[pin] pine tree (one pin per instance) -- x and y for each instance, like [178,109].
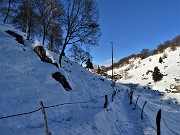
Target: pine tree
[89,64]
[157,76]
[160,60]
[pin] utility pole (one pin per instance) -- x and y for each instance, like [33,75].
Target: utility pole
[112,67]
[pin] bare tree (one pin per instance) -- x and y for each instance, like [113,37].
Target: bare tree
[55,37]
[80,23]
[145,53]
[6,7]
[49,11]
[79,55]
[26,18]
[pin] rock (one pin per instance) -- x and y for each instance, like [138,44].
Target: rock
[62,80]
[18,37]
[42,54]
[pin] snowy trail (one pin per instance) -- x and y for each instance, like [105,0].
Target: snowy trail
[126,121]
[92,118]
[155,101]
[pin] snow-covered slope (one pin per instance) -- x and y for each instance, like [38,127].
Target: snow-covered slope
[159,95]
[140,72]
[25,81]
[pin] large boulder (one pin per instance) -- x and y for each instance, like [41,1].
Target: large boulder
[18,37]
[42,54]
[62,80]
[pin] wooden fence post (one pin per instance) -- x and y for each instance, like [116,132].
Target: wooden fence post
[113,94]
[143,109]
[44,117]
[158,122]
[106,102]
[136,103]
[130,97]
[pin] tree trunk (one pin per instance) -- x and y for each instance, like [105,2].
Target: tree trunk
[27,30]
[7,12]
[50,44]
[44,32]
[62,53]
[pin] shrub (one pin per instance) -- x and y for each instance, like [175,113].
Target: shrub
[157,76]
[160,60]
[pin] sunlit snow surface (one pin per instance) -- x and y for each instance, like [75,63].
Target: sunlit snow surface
[169,102]
[25,81]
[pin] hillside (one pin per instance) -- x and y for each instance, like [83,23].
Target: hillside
[26,80]
[140,71]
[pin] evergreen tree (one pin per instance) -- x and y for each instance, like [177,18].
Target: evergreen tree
[160,60]
[157,76]
[89,64]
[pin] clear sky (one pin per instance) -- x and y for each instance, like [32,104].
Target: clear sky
[134,25]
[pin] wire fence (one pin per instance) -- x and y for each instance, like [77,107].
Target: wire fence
[155,113]
[52,106]
[96,98]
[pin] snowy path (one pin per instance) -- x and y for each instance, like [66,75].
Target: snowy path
[155,101]
[127,121]
[92,118]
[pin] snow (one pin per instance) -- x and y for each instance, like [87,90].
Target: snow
[155,92]
[25,81]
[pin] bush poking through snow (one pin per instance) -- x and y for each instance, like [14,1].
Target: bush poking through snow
[156,75]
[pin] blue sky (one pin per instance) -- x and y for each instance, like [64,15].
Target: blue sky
[133,25]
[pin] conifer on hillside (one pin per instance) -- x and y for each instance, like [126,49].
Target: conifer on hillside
[156,75]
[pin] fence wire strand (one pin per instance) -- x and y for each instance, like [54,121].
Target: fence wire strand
[162,119]
[81,102]
[20,114]
[52,106]
[169,127]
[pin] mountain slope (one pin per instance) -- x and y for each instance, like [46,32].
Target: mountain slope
[140,72]
[158,95]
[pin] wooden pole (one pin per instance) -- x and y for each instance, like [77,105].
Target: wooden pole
[158,122]
[113,94]
[136,103]
[44,117]
[112,66]
[106,102]
[131,96]
[143,109]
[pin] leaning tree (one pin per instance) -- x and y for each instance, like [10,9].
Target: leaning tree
[80,23]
